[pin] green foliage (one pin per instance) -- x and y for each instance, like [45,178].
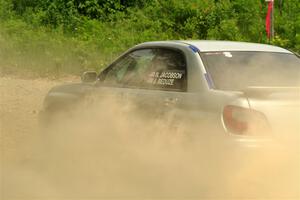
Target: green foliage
[287,26]
[98,9]
[226,30]
[6,10]
[69,36]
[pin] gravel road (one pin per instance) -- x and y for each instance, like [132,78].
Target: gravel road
[103,162]
[20,102]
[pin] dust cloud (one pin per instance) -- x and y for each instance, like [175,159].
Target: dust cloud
[107,149]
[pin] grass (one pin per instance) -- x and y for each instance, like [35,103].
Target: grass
[45,52]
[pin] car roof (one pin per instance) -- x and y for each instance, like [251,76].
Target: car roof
[214,45]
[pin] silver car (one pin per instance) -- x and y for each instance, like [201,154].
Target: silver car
[246,93]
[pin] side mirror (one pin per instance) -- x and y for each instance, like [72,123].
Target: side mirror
[89,77]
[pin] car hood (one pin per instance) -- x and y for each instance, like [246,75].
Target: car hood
[73,88]
[65,95]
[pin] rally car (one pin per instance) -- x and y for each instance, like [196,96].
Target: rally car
[244,92]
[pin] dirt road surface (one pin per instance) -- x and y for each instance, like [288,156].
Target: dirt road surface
[20,103]
[123,160]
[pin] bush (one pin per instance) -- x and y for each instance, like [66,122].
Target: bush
[54,37]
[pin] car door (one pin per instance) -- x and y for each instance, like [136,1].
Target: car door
[154,80]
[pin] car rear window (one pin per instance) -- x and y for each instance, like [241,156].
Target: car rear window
[238,70]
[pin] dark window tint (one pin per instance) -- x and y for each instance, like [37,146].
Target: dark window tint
[239,70]
[149,68]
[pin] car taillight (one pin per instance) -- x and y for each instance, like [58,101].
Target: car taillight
[244,121]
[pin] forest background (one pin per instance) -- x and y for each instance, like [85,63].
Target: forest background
[58,37]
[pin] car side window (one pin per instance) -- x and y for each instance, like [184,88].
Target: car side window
[154,68]
[167,70]
[128,70]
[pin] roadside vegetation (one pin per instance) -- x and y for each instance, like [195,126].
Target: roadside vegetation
[57,37]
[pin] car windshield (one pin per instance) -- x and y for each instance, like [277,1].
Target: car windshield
[238,70]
